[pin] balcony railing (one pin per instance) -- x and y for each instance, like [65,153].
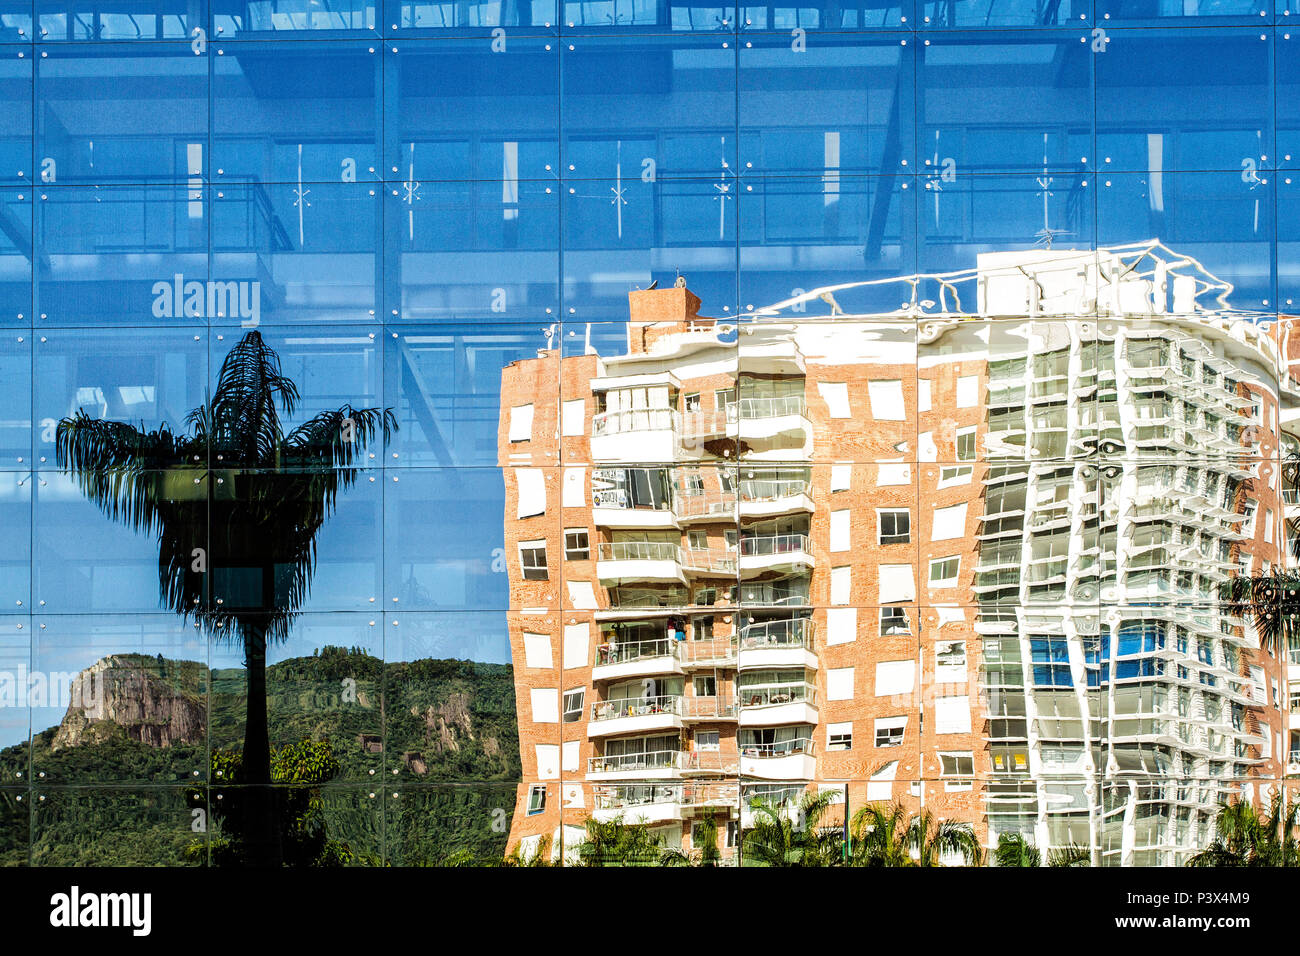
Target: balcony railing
[780,748]
[634,420]
[720,562]
[784,633]
[764,545]
[640,551]
[648,761]
[636,707]
[618,498]
[709,708]
[773,489]
[624,652]
[775,407]
[713,650]
[630,796]
[776,694]
[706,504]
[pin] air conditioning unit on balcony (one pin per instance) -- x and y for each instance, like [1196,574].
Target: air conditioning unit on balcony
[1293,768]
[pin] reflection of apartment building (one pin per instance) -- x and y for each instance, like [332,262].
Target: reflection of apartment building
[962,559]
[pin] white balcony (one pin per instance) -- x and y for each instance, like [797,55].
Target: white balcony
[617,659]
[769,706]
[762,419]
[630,561]
[775,552]
[634,715]
[652,765]
[635,435]
[787,760]
[611,509]
[781,643]
[764,497]
[661,802]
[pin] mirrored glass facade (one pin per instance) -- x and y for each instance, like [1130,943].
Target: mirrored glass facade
[582,432]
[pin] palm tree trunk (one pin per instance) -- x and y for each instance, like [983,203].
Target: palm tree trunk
[261,836]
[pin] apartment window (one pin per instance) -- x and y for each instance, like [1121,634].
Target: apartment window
[521,423]
[836,396]
[966,444]
[841,477]
[707,740]
[839,736]
[697,540]
[532,560]
[886,399]
[706,597]
[536,799]
[968,391]
[943,572]
[890,730]
[577,547]
[957,764]
[949,661]
[691,402]
[893,620]
[895,526]
[573,703]
[702,628]
[955,475]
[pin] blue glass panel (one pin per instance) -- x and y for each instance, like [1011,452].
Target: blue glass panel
[450,559]
[1181,100]
[324,682]
[1247,12]
[476,17]
[828,15]
[303,252]
[461,251]
[16,20]
[16,100]
[964,14]
[121,113]
[835,102]
[624,234]
[648,16]
[444,383]
[295,112]
[147,378]
[281,18]
[86,562]
[457,110]
[678,93]
[977,214]
[1002,102]
[155,744]
[116,20]
[1223,220]
[16,401]
[115,255]
[16,562]
[16,256]
[799,234]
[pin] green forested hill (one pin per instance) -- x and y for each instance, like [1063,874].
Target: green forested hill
[436,722]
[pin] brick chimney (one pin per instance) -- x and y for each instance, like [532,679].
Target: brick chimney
[654,313]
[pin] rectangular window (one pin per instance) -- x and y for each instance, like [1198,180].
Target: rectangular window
[839,736]
[943,572]
[521,423]
[536,799]
[707,740]
[886,399]
[532,560]
[697,540]
[957,764]
[576,544]
[895,526]
[966,443]
[890,730]
[836,396]
[691,402]
[955,475]
[893,620]
[573,702]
